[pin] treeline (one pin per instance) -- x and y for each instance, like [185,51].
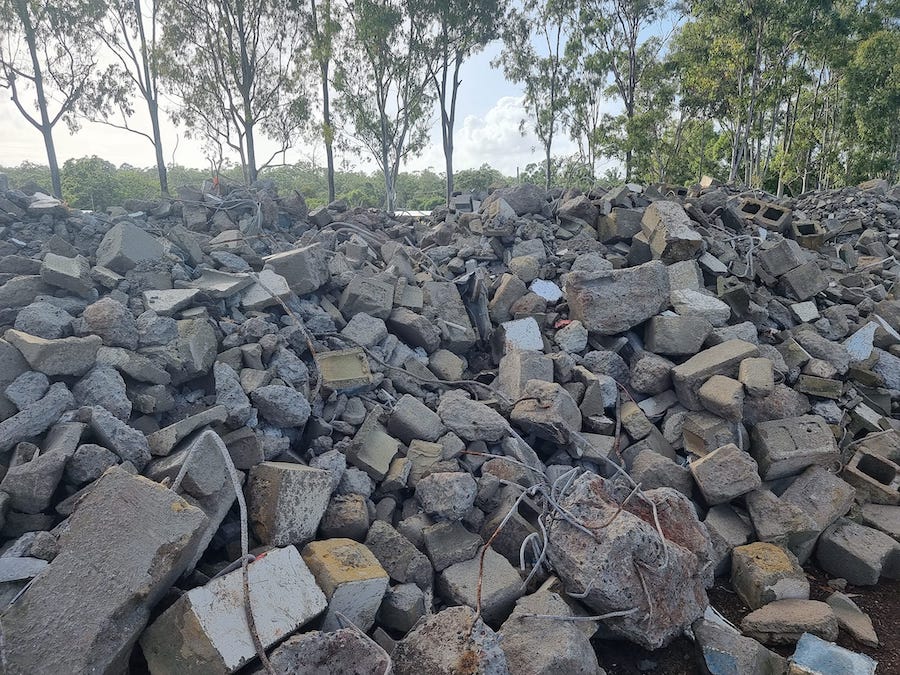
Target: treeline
[783,95]
[96,184]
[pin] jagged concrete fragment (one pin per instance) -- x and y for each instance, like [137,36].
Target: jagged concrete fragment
[54,358]
[722,359]
[205,631]
[341,652]
[546,646]
[36,418]
[127,542]
[604,566]
[125,246]
[353,580]
[127,442]
[595,298]
[162,442]
[446,642]
[287,501]
[71,274]
[762,573]
[305,269]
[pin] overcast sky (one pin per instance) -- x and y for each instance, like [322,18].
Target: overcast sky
[487,131]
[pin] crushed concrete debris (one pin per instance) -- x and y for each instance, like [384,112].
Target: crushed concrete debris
[464,442]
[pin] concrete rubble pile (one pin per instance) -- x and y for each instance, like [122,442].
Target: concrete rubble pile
[240,435]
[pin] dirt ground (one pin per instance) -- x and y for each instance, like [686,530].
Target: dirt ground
[881,602]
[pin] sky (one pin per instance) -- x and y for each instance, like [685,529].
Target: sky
[489,110]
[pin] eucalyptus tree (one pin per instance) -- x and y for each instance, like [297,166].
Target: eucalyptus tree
[48,63]
[236,68]
[535,35]
[131,33]
[454,31]
[383,80]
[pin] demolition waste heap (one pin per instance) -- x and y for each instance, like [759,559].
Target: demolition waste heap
[239,435]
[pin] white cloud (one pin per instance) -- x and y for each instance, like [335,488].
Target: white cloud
[493,138]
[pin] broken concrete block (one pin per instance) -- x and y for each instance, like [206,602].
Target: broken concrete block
[517,367]
[71,274]
[820,657]
[448,543]
[125,246]
[687,302]
[414,329]
[169,301]
[780,522]
[36,418]
[670,232]
[267,289]
[205,630]
[55,358]
[724,474]
[128,541]
[365,330]
[445,640]
[127,442]
[546,646]
[113,322]
[305,269]
[779,256]
[676,335]
[727,530]
[353,580]
[595,297]
[804,282]
[519,334]
[722,359]
[365,294]
[852,619]
[402,607]
[412,419]
[758,376]
[373,449]
[787,446]
[821,495]
[723,396]
[857,553]
[547,410]
[399,557]
[287,502]
[603,569]
[762,573]
[334,653]
[471,420]
[282,406]
[30,486]
[784,621]
[103,386]
[726,652]
[162,442]
[444,305]
[500,584]
[510,289]
[345,370]
[874,476]
[446,495]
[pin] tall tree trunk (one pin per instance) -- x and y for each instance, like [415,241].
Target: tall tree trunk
[324,68]
[161,170]
[329,131]
[46,126]
[252,171]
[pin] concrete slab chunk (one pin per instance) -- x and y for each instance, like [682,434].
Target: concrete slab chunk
[127,542]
